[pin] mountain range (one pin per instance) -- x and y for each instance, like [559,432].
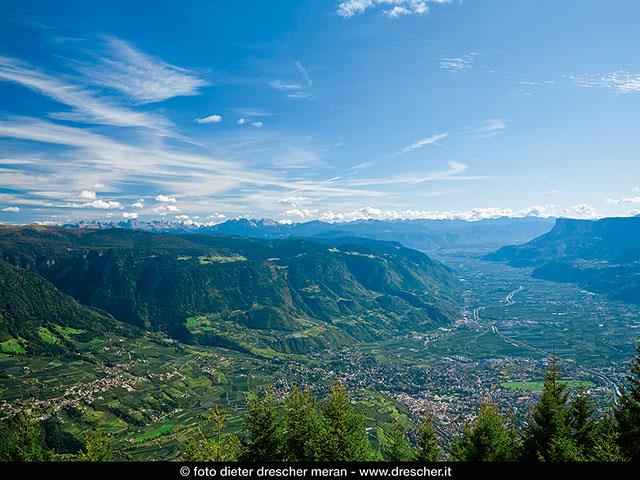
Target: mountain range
[423,234]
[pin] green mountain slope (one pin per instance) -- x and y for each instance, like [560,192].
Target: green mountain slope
[286,296]
[36,317]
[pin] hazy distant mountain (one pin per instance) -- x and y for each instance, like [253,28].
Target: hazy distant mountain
[289,295]
[425,235]
[602,256]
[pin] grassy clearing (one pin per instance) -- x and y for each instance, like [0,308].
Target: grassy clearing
[12,346]
[539,386]
[156,432]
[69,330]
[47,336]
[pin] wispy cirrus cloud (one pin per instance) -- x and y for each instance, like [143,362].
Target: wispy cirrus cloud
[299,90]
[452,172]
[391,8]
[141,77]
[620,81]
[488,128]
[458,65]
[86,105]
[423,142]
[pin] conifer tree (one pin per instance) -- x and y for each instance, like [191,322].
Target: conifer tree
[346,437]
[548,435]
[605,447]
[303,429]
[486,440]
[96,448]
[583,424]
[262,440]
[428,447]
[219,448]
[627,412]
[22,440]
[396,447]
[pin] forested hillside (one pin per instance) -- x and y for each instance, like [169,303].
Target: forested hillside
[246,294]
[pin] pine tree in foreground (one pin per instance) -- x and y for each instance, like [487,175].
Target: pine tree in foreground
[486,440]
[96,448]
[303,428]
[627,412]
[346,437]
[22,440]
[262,442]
[219,448]
[548,436]
[396,447]
[428,447]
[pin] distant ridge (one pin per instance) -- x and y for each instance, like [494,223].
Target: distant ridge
[602,256]
[422,234]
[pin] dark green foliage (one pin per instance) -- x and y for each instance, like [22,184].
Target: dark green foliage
[486,440]
[606,446]
[428,447]
[96,448]
[303,431]
[583,424]
[262,440]
[396,447]
[22,440]
[549,435]
[219,448]
[346,436]
[58,440]
[627,412]
[29,303]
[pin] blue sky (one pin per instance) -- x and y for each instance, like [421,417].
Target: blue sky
[337,110]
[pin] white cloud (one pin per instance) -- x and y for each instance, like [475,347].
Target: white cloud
[372,213]
[362,166]
[623,200]
[391,8]
[141,77]
[451,173]
[242,121]
[582,210]
[130,215]
[209,119]
[620,81]
[489,128]
[86,105]
[165,199]
[165,209]
[11,209]
[295,89]
[432,140]
[87,195]
[258,124]
[103,205]
[299,213]
[457,65]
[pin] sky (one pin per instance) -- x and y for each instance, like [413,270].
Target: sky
[337,110]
